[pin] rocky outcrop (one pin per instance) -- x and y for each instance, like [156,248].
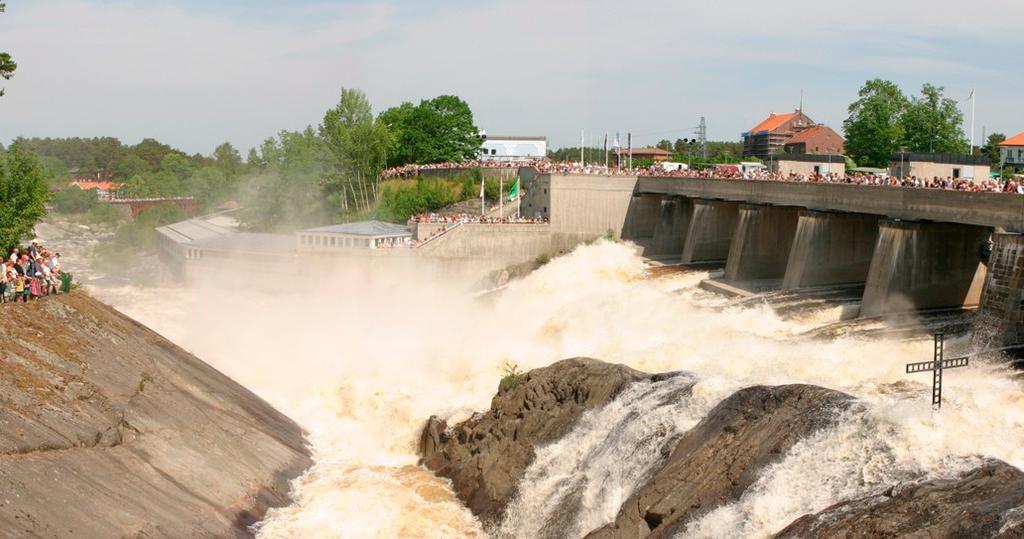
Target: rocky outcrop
[714,462]
[986,502]
[485,456]
[109,430]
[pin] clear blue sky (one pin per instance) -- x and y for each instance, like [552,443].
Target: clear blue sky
[196,73]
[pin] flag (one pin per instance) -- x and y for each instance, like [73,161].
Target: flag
[513,193]
[616,144]
[481,188]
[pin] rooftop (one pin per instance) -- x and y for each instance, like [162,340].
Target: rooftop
[772,122]
[1017,140]
[364,228]
[811,132]
[192,230]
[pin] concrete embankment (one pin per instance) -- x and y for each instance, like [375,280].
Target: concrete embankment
[109,430]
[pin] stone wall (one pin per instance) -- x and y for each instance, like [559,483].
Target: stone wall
[999,321]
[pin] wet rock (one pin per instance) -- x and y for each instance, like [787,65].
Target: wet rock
[485,456]
[713,463]
[986,502]
[109,430]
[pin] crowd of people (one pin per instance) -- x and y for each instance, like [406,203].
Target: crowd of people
[546,166]
[465,218]
[31,274]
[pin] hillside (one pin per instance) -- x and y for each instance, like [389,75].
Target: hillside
[108,430]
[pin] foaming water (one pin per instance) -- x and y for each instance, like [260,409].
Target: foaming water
[608,454]
[362,358]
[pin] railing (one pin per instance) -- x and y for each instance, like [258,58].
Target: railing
[443,231]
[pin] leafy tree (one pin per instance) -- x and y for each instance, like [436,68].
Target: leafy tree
[437,130]
[664,144]
[355,145]
[874,129]
[396,120]
[228,160]
[151,151]
[286,193]
[178,165]
[55,170]
[991,148]
[933,123]
[131,166]
[7,65]
[23,195]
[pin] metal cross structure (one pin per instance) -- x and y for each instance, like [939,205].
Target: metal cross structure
[937,365]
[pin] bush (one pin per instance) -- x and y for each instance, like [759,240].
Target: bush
[75,200]
[511,377]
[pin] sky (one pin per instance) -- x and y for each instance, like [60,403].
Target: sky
[195,73]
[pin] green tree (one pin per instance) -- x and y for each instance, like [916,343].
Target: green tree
[664,144]
[435,131]
[874,129]
[356,147]
[933,123]
[991,148]
[23,195]
[7,65]
[130,166]
[228,160]
[286,193]
[151,151]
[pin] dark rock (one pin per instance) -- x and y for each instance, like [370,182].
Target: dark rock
[976,504]
[713,463]
[485,456]
[109,430]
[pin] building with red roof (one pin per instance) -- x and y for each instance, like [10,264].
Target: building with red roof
[1011,152]
[772,134]
[817,140]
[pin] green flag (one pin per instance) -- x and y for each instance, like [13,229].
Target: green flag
[513,193]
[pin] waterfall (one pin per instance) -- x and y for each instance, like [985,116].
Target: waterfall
[579,483]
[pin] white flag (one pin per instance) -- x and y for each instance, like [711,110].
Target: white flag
[616,144]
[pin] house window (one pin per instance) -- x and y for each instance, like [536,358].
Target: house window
[956,173]
[817,169]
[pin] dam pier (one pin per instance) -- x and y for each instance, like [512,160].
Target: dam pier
[909,249]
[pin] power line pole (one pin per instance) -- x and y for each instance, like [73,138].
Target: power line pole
[702,137]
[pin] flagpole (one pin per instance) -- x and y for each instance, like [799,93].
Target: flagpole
[483,201]
[501,196]
[974,99]
[606,152]
[582,162]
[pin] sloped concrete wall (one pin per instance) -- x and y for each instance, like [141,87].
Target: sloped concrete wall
[760,247]
[711,231]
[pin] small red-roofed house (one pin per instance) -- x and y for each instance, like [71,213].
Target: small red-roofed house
[817,140]
[772,134]
[1011,151]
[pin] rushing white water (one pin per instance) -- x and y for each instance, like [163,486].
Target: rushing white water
[608,454]
[362,358]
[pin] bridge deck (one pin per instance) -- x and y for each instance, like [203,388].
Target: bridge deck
[985,209]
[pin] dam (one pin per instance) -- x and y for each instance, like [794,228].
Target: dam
[910,249]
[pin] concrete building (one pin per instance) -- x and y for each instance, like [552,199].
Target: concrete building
[1011,152]
[807,164]
[358,235]
[502,148]
[177,243]
[939,165]
[819,139]
[772,134]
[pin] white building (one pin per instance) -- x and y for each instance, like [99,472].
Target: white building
[513,148]
[358,235]
[1011,151]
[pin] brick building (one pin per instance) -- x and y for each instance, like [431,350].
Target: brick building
[817,140]
[772,134]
